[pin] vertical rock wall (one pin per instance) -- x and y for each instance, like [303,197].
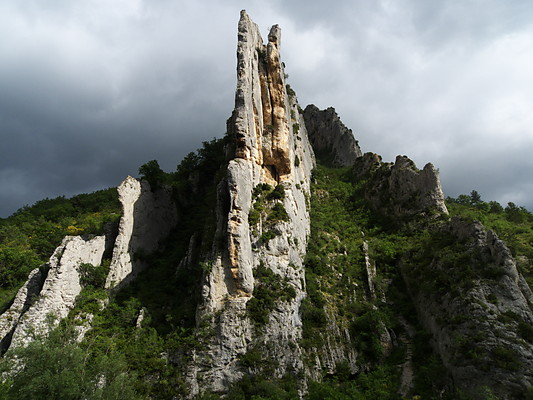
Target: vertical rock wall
[330,138]
[147,218]
[271,148]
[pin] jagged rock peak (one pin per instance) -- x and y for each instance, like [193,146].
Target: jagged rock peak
[261,120]
[400,188]
[330,138]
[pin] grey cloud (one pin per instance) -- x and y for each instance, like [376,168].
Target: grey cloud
[90,91]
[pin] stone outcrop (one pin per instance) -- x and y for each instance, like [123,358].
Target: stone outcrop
[272,149]
[331,139]
[478,311]
[50,291]
[41,310]
[25,298]
[147,218]
[400,189]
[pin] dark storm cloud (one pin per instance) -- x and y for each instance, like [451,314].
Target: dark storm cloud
[91,90]
[89,93]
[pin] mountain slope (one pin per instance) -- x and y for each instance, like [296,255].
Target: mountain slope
[257,270]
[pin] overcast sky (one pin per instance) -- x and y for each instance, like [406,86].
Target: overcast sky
[91,90]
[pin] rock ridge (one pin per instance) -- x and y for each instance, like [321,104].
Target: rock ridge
[400,189]
[476,317]
[330,138]
[40,309]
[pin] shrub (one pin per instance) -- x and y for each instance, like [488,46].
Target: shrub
[278,213]
[525,330]
[277,194]
[269,288]
[95,276]
[268,235]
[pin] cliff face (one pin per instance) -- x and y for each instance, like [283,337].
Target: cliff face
[147,218]
[39,306]
[263,218]
[330,137]
[477,308]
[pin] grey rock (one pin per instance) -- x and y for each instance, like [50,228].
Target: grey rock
[58,294]
[401,189]
[271,148]
[329,137]
[24,299]
[147,218]
[477,333]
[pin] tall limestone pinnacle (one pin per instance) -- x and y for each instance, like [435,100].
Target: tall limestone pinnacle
[272,151]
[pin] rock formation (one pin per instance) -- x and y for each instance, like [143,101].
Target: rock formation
[478,308]
[330,137]
[401,190]
[272,151]
[25,298]
[147,218]
[462,280]
[35,310]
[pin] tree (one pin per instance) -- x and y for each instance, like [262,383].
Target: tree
[55,367]
[475,197]
[152,172]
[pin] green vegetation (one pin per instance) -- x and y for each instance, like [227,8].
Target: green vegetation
[512,224]
[54,367]
[269,288]
[290,91]
[267,208]
[143,336]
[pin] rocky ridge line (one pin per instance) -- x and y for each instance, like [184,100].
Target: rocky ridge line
[330,137]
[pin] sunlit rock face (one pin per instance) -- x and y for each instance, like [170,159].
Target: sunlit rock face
[147,218]
[272,148]
[53,301]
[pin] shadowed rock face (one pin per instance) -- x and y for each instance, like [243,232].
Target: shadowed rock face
[147,217]
[330,138]
[400,189]
[476,323]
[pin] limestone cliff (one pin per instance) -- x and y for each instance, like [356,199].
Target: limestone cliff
[25,298]
[36,310]
[263,216]
[147,218]
[330,137]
